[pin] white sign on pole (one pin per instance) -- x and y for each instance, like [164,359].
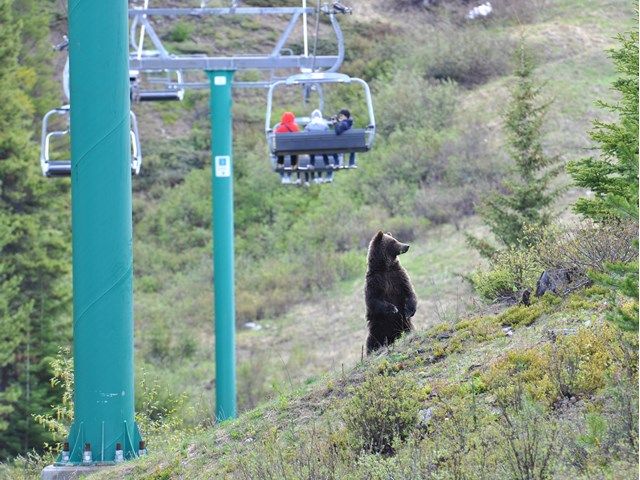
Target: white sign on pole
[223,166]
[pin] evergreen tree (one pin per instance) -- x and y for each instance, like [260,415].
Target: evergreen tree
[34,248]
[527,195]
[613,177]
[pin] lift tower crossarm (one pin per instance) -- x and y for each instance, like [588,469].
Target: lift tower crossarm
[230,63]
[196,12]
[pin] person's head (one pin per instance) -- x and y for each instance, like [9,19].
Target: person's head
[316,115]
[288,117]
[344,114]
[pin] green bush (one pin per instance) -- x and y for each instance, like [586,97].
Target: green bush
[511,271]
[530,439]
[469,56]
[586,246]
[180,32]
[382,411]
[581,363]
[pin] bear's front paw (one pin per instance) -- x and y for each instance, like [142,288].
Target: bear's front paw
[392,309]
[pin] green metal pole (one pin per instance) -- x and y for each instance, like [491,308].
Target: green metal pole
[102,231]
[223,256]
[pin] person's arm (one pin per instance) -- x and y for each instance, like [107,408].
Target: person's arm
[341,127]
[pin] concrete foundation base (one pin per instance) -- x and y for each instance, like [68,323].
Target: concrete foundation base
[72,472]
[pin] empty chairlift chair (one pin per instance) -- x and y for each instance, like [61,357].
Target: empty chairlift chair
[62,168]
[355,140]
[165,86]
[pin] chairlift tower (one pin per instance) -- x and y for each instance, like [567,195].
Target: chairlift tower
[104,429]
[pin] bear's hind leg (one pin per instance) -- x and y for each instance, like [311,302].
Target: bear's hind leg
[373,344]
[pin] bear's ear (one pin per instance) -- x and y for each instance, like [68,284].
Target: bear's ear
[379,235]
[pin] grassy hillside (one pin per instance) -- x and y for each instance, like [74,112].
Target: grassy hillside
[547,391]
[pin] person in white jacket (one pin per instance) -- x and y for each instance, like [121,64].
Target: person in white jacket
[318,124]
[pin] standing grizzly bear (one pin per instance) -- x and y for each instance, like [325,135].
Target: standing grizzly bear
[388,293]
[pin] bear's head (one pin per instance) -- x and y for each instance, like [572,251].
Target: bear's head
[384,250]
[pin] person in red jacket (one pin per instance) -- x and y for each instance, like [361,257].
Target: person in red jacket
[287,125]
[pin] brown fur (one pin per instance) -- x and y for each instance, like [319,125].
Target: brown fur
[389,295]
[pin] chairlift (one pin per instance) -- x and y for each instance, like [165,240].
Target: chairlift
[163,86]
[319,144]
[151,86]
[62,168]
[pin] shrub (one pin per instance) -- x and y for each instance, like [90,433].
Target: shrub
[180,32]
[581,363]
[585,246]
[521,372]
[527,314]
[469,56]
[382,411]
[511,271]
[529,438]
[442,203]
[160,414]
[60,418]
[481,328]
[406,101]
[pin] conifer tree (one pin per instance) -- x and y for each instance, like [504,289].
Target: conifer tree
[613,177]
[527,195]
[34,248]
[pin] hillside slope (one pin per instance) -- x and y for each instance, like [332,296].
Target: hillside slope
[547,391]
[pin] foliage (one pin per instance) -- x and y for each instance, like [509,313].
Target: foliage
[576,365]
[622,279]
[526,198]
[613,178]
[531,437]
[382,411]
[468,56]
[524,315]
[585,246]
[158,414]
[180,32]
[34,247]
[510,271]
[60,419]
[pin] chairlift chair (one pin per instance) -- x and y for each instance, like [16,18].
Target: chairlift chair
[355,140]
[169,82]
[170,86]
[62,168]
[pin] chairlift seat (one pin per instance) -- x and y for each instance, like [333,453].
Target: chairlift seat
[319,143]
[160,95]
[58,168]
[62,168]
